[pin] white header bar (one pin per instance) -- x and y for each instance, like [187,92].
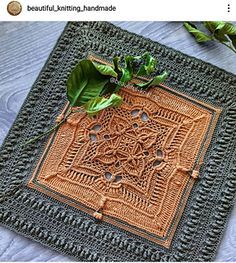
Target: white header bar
[118,10]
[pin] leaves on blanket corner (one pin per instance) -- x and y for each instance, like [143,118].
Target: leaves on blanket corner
[89,81]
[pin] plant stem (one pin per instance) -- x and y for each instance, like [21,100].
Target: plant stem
[229,46]
[50,130]
[43,134]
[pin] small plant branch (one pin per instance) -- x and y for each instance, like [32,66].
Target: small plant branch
[89,85]
[219,31]
[50,130]
[229,46]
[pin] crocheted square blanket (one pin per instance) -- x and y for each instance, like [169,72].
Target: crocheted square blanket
[152,180]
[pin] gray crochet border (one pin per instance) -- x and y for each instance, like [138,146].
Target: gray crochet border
[76,234]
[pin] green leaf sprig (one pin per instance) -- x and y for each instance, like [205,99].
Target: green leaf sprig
[89,85]
[223,32]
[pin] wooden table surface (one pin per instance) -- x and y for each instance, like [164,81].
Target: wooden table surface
[24,48]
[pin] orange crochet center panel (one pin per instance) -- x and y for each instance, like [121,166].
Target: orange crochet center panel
[132,166]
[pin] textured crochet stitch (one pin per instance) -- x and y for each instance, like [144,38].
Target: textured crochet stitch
[136,163]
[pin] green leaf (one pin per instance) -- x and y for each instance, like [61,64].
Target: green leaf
[116,61]
[227,28]
[153,82]
[199,35]
[220,29]
[105,70]
[97,104]
[126,76]
[214,27]
[221,37]
[211,25]
[85,82]
[127,71]
[224,32]
[149,66]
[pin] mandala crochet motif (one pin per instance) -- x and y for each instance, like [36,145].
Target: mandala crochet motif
[136,163]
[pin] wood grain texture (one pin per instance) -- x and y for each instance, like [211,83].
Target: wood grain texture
[24,48]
